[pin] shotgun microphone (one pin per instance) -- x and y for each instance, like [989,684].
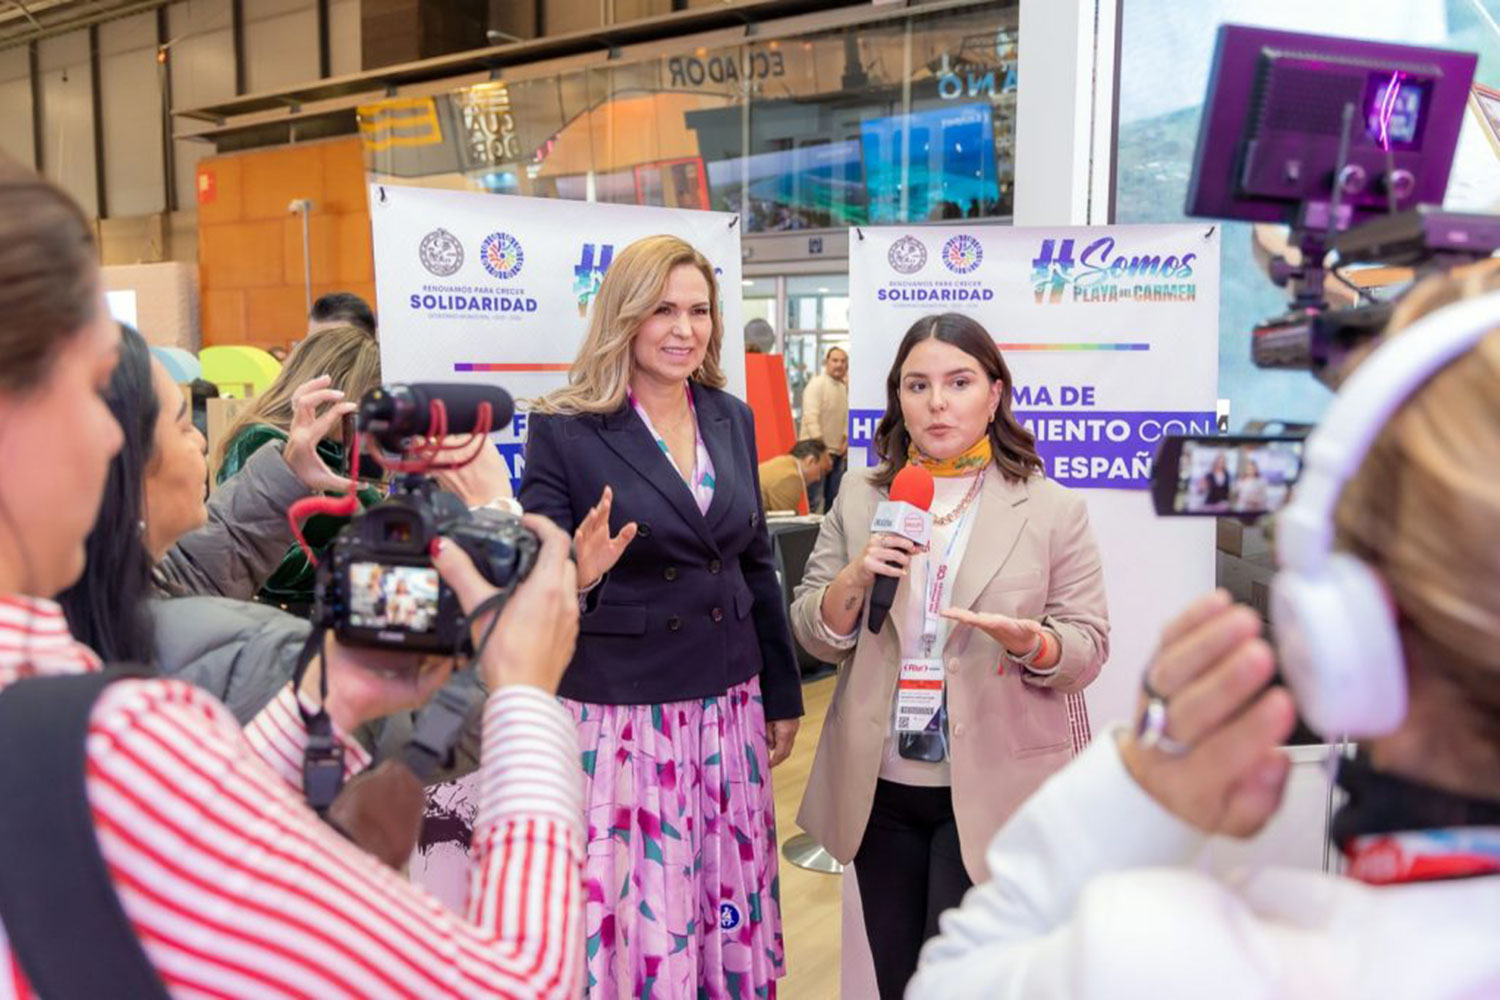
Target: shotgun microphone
[395,412]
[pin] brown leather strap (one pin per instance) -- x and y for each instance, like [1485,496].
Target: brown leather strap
[380,810]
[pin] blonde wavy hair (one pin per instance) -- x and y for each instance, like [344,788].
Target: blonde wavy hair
[349,354]
[1424,509]
[630,291]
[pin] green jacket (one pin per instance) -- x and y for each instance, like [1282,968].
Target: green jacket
[291,584]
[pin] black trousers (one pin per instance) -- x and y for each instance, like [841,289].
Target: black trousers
[910,871]
[830,483]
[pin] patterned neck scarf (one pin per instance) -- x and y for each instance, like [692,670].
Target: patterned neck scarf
[971,461]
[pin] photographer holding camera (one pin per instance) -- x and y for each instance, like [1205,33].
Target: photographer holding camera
[1387,610]
[219,880]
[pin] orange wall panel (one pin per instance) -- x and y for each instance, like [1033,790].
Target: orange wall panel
[356,257]
[275,315]
[241,255]
[223,311]
[344,191]
[250,245]
[274,177]
[220,190]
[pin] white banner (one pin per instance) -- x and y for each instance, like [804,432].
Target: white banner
[496,289]
[1111,336]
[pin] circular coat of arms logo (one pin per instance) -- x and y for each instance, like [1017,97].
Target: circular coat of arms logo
[441,253]
[729,916]
[962,254]
[501,255]
[907,255]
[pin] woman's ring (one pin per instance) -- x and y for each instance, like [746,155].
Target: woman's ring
[1151,732]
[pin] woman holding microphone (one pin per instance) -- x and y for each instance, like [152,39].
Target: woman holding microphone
[684,685]
[997,621]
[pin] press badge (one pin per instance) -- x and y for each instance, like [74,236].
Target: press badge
[919,694]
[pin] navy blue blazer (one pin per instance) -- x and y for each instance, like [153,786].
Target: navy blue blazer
[693,607]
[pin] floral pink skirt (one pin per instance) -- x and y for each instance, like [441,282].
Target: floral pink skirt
[681,891]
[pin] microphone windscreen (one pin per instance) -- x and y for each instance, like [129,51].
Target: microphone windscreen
[462,401]
[400,411]
[913,485]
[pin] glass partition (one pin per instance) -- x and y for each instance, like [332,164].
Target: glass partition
[908,118]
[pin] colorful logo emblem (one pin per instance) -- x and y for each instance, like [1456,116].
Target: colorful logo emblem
[1103,272]
[441,252]
[501,255]
[962,254]
[907,255]
[589,272]
[729,916]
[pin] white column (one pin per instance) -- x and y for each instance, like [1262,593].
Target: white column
[1064,113]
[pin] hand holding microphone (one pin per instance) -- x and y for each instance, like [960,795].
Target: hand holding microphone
[901,525]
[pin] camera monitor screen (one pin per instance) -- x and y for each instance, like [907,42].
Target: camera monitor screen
[393,597]
[1271,137]
[1229,478]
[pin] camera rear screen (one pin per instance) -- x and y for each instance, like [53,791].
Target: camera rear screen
[393,597]
[1242,478]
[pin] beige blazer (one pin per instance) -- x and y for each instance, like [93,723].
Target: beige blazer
[1031,554]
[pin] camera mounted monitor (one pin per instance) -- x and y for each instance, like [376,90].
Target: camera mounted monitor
[1323,133]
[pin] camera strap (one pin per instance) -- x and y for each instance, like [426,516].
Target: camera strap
[67,928]
[323,762]
[440,725]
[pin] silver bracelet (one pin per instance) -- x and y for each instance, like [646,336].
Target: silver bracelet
[1029,657]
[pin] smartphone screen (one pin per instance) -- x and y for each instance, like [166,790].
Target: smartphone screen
[1225,476]
[393,597]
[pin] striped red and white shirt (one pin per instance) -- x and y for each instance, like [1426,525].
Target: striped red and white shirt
[235,887]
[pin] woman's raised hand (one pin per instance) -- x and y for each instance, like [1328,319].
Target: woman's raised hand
[594,549]
[1018,635]
[1223,770]
[309,428]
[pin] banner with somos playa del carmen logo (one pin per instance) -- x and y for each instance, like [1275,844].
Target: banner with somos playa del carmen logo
[497,288]
[1111,337]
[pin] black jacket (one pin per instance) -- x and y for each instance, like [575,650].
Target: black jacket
[693,607]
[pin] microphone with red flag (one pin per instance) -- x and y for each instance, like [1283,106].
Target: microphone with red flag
[905,514]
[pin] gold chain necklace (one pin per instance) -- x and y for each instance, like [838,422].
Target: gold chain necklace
[963,504]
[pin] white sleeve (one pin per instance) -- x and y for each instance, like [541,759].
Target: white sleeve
[1017,935]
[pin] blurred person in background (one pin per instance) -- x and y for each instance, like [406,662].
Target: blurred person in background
[340,364]
[340,309]
[786,479]
[825,416]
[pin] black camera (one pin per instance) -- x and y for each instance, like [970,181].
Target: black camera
[377,585]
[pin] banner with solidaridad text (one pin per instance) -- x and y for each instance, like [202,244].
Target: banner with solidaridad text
[476,287]
[1111,336]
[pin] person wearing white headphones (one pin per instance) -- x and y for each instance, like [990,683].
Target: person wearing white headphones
[1387,617]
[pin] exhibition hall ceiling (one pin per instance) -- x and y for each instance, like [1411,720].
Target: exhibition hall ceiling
[28,20]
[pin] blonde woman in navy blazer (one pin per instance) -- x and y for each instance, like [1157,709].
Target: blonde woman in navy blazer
[684,685]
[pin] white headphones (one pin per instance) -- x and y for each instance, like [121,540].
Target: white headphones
[1335,631]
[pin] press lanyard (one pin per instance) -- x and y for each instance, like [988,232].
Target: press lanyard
[939,585]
